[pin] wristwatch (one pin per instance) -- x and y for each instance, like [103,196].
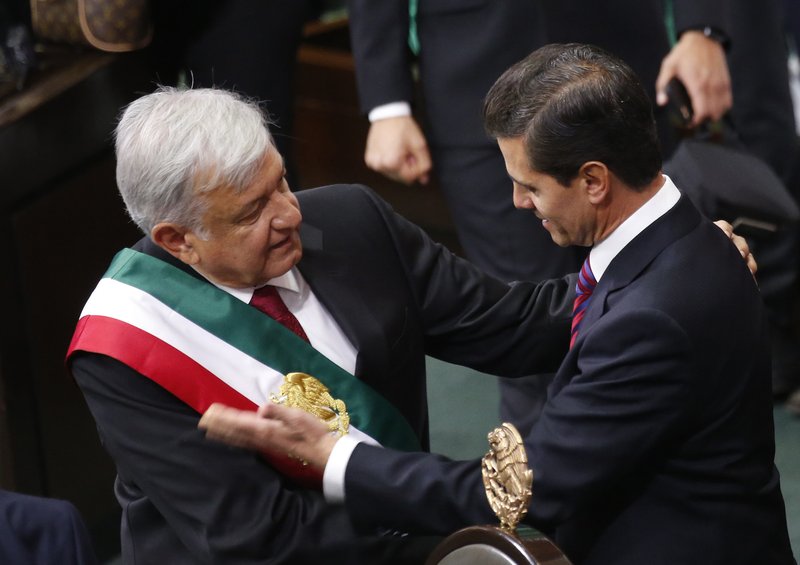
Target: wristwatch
[713,34]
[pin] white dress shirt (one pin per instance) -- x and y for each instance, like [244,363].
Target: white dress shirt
[660,203]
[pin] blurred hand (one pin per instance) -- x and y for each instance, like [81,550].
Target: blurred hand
[741,245]
[396,148]
[699,63]
[274,429]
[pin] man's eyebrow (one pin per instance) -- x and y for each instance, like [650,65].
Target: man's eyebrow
[519,182]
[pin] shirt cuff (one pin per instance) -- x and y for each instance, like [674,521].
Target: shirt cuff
[333,476]
[391,110]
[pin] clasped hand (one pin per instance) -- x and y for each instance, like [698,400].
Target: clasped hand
[273,429]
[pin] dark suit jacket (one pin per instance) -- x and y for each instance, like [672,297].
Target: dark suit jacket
[634,31]
[43,531]
[656,444]
[467,44]
[397,296]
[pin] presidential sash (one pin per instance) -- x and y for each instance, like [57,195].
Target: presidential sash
[204,346]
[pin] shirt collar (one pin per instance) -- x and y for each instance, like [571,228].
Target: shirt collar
[291,280]
[659,204]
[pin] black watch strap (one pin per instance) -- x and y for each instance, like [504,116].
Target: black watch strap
[712,33]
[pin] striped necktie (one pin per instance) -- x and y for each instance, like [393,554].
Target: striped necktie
[269,301]
[583,294]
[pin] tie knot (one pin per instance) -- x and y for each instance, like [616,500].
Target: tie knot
[270,302]
[267,291]
[586,281]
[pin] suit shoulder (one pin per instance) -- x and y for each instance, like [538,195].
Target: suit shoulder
[338,203]
[335,192]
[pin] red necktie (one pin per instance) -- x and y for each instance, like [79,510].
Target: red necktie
[583,293]
[269,301]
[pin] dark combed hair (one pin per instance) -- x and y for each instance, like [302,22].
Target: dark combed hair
[576,103]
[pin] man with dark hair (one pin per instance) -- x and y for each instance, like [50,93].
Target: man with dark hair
[656,442]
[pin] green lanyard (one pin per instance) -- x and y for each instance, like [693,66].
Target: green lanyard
[413,37]
[669,22]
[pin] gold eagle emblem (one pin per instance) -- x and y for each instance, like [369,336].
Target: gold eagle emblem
[303,391]
[506,476]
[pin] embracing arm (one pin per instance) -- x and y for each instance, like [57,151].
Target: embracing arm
[412,492]
[597,433]
[472,319]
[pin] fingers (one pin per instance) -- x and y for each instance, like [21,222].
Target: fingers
[744,251]
[236,427]
[396,148]
[699,62]
[751,264]
[741,245]
[274,429]
[725,227]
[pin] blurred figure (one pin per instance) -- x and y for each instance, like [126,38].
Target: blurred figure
[42,531]
[763,117]
[249,46]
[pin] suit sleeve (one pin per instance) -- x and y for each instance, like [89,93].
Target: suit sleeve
[224,504]
[595,435]
[379,38]
[694,14]
[472,319]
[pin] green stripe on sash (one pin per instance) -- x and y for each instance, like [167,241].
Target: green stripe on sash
[264,339]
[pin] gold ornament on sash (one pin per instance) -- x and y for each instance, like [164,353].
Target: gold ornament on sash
[506,476]
[303,391]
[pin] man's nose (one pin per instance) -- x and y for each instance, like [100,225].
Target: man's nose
[287,215]
[522,198]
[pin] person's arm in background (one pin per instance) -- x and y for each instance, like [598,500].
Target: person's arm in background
[698,58]
[396,146]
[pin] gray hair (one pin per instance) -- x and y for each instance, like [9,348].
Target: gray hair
[174,144]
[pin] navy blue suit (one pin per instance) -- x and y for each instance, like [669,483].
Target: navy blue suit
[656,443]
[42,531]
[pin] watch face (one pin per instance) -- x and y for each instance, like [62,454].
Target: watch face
[716,35]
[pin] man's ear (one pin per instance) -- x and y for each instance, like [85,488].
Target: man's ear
[175,240]
[596,180]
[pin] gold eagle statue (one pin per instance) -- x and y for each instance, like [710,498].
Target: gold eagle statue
[506,476]
[303,391]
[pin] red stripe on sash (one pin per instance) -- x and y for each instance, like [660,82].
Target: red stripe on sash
[175,372]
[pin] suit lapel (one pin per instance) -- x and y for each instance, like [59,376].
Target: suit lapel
[639,253]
